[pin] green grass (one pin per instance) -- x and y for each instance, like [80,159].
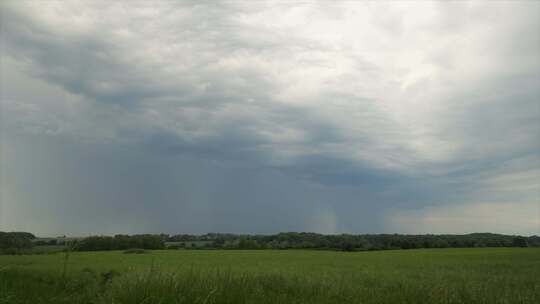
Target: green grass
[482,275]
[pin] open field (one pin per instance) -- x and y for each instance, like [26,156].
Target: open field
[476,275]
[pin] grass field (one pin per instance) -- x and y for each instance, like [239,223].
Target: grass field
[479,275]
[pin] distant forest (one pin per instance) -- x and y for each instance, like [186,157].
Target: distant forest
[24,242]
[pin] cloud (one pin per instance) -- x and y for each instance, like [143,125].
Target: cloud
[507,218]
[378,106]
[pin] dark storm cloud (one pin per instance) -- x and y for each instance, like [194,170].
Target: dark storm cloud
[262,117]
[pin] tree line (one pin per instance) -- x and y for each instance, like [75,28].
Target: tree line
[120,242]
[20,242]
[349,242]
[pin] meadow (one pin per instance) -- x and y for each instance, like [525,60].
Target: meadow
[471,275]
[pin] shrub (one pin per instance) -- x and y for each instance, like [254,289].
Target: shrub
[519,242]
[121,242]
[11,251]
[17,240]
[135,251]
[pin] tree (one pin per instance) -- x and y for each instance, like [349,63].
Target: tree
[520,242]
[15,242]
[347,246]
[218,243]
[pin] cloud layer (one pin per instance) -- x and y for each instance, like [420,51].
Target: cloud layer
[264,117]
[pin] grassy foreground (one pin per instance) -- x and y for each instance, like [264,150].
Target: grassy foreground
[483,275]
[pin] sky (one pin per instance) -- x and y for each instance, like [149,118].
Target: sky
[263,117]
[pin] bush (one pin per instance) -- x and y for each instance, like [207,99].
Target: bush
[16,240]
[121,242]
[519,242]
[11,251]
[135,251]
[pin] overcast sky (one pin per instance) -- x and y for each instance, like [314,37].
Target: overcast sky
[261,117]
